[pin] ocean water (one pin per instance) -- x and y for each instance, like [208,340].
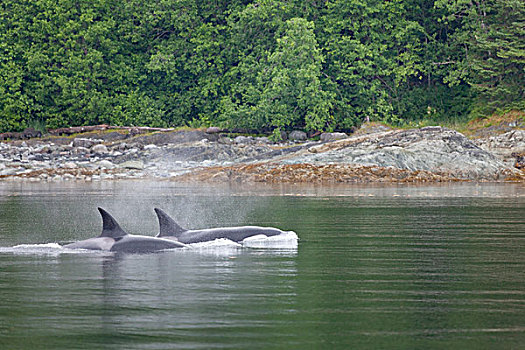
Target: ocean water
[375,267]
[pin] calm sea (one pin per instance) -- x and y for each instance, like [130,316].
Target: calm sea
[376,267]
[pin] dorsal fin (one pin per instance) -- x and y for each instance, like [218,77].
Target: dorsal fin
[168,227]
[110,227]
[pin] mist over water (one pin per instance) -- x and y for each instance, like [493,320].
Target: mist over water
[74,212]
[397,267]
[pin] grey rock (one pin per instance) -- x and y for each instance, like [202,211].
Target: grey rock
[123,146]
[46,149]
[431,149]
[65,148]
[35,157]
[332,136]
[225,140]
[434,149]
[264,140]
[132,164]
[10,171]
[106,164]
[41,164]
[70,165]
[80,150]
[213,130]
[25,165]
[243,140]
[99,149]
[175,137]
[504,145]
[87,143]
[297,135]
[86,165]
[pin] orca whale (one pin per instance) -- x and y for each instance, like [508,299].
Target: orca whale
[171,230]
[114,239]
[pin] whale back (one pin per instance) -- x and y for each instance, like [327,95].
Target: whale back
[110,227]
[168,226]
[144,244]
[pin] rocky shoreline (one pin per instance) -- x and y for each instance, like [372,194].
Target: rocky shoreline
[372,154]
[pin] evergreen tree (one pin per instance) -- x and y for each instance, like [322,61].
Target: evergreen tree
[489,36]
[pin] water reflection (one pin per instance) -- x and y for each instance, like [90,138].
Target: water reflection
[133,189]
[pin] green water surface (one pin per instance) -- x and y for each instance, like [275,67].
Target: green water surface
[376,268]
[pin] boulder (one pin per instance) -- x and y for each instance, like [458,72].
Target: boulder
[70,165]
[99,149]
[35,157]
[106,164]
[80,150]
[332,136]
[213,130]
[243,140]
[297,135]
[87,143]
[174,137]
[264,140]
[225,140]
[132,164]
[31,133]
[46,149]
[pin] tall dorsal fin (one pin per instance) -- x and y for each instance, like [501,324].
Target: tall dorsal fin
[168,227]
[110,227]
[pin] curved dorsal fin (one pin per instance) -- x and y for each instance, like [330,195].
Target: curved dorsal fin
[110,227]
[168,227]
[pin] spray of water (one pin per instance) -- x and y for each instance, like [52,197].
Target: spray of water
[38,219]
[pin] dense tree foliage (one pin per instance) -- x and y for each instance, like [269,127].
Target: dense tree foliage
[490,37]
[316,65]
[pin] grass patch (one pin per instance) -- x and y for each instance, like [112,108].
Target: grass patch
[497,123]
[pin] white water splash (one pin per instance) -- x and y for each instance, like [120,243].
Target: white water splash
[216,243]
[38,249]
[47,249]
[44,246]
[286,240]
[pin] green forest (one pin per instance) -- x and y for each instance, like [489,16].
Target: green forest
[314,65]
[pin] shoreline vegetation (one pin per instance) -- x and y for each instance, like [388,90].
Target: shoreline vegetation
[317,66]
[268,90]
[375,152]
